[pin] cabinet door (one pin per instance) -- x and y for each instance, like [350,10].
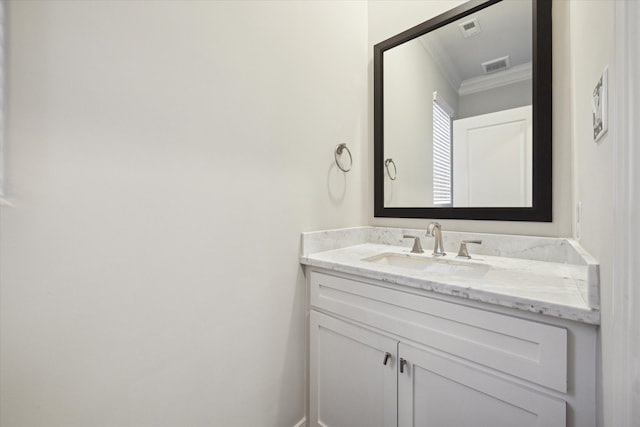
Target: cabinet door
[350,384]
[438,391]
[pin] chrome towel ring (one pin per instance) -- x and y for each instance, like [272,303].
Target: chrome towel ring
[340,148]
[388,162]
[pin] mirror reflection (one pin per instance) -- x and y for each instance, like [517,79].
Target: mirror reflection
[458,113]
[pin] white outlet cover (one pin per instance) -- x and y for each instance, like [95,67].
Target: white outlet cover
[578,221]
[599,105]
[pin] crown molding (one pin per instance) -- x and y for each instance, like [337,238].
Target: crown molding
[516,74]
[442,61]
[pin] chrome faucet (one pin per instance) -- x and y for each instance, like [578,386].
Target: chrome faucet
[434,229]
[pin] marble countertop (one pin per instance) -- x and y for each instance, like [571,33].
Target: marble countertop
[541,286]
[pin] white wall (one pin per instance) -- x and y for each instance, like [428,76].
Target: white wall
[409,83]
[163,158]
[500,98]
[388,17]
[625,295]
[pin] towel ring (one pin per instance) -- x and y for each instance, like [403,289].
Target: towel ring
[339,150]
[395,171]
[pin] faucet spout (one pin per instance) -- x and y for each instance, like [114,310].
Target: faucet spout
[434,229]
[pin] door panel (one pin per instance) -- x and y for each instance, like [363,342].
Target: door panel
[350,384]
[492,159]
[436,391]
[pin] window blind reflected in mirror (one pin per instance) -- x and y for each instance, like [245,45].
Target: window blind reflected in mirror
[442,144]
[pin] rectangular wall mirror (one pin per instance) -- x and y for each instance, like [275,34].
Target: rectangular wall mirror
[462,115]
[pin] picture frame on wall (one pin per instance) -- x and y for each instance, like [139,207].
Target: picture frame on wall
[599,107]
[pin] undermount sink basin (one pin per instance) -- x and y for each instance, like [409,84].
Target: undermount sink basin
[435,265]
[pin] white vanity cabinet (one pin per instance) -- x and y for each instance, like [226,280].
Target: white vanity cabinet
[385,355]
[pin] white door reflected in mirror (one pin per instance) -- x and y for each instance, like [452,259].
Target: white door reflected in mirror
[492,165]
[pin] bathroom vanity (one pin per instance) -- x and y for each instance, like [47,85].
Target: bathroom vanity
[506,338]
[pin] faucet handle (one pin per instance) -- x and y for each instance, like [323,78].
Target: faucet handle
[417,246]
[463,252]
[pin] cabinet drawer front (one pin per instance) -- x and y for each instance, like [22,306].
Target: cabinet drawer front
[528,350]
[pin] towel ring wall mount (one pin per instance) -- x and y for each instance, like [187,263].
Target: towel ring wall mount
[340,149]
[388,162]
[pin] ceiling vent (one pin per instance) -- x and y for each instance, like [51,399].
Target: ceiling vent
[496,65]
[470,27]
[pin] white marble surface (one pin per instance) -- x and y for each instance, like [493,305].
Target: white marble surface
[554,277]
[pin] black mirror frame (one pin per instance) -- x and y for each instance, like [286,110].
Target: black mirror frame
[541,211]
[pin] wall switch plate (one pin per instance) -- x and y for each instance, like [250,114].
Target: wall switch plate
[578,221]
[599,106]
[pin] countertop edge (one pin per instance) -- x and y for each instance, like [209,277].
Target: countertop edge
[587,316]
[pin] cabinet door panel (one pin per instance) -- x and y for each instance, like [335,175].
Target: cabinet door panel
[436,391]
[350,384]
